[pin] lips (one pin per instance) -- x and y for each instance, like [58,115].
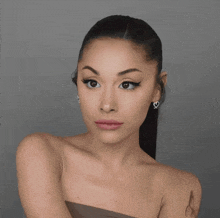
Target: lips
[108,126]
[108,122]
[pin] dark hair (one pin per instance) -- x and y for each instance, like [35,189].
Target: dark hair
[141,34]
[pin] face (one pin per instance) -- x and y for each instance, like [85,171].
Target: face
[112,96]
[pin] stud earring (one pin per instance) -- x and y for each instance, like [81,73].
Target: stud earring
[78,99]
[156,104]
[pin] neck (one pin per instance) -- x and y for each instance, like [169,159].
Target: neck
[115,153]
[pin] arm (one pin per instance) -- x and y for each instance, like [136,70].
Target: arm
[39,169]
[182,198]
[192,210]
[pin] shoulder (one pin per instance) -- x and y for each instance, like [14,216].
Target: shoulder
[41,139]
[181,179]
[174,178]
[40,144]
[39,172]
[33,141]
[179,188]
[38,140]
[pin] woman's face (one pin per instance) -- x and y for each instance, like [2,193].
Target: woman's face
[109,95]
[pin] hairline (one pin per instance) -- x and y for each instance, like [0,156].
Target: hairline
[133,44]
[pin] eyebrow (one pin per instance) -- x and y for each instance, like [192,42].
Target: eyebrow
[119,74]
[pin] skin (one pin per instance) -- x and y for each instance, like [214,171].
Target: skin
[39,159]
[108,98]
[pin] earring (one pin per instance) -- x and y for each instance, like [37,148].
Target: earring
[156,104]
[78,99]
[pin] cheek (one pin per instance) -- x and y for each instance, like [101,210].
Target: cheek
[137,110]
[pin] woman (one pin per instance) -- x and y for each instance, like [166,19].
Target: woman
[104,172]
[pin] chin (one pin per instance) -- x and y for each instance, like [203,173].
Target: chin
[108,136]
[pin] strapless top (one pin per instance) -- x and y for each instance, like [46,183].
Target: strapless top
[84,211]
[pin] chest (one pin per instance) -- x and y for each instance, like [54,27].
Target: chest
[134,192]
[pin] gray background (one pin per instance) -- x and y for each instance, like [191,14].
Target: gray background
[40,43]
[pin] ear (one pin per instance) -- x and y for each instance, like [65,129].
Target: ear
[157,90]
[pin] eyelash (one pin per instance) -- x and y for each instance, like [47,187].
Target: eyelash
[134,84]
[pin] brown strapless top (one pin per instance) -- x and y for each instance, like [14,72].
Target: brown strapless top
[84,211]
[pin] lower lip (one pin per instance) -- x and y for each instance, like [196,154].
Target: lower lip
[108,126]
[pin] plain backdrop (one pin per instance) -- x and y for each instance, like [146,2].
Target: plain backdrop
[40,41]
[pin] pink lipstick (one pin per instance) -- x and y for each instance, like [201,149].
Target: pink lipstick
[108,124]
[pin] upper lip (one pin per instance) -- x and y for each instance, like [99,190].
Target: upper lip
[108,121]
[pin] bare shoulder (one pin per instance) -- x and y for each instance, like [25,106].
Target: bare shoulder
[38,140]
[39,171]
[182,192]
[47,140]
[33,141]
[179,178]
[38,145]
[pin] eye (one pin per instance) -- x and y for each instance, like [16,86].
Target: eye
[93,83]
[89,80]
[132,83]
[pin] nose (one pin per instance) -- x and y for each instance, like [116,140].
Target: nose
[107,108]
[108,102]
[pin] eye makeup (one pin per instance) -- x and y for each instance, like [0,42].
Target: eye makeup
[128,82]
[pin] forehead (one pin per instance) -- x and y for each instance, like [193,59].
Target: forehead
[110,47]
[115,53]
